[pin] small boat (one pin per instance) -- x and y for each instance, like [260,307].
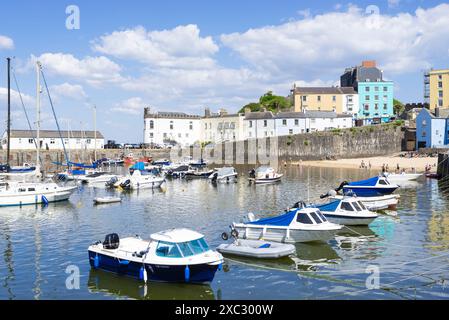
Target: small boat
[225,174]
[373,187]
[22,193]
[175,255]
[198,173]
[433,175]
[178,171]
[349,211]
[264,175]
[140,180]
[198,164]
[388,202]
[161,162]
[257,249]
[98,177]
[296,225]
[403,177]
[103,200]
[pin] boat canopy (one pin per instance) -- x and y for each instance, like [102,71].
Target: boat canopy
[177,235]
[138,166]
[282,220]
[331,206]
[365,183]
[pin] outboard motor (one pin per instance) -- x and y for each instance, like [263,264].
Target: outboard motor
[252,173]
[111,241]
[111,182]
[215,177]
[126,184]
[330,193]
[344,183]
[299,205]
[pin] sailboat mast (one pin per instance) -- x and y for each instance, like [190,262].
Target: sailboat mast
[95,133]
[38,112]
[8,125]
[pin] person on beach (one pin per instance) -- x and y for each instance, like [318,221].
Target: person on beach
[398,168]
[369,165]
[383,168]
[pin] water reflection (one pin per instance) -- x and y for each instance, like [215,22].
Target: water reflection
[125,287]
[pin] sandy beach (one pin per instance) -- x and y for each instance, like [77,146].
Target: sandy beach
[409,164]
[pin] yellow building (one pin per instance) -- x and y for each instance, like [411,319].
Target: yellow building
[438,89]
[340,100]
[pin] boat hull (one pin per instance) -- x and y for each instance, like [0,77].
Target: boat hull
[377,203]
[348,220]
[369,191]
[198,273]
[265,180]
[36,198]
[280,235]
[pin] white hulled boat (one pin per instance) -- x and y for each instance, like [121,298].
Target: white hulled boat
[225,174]
[296,225]
[140,180]
[264,175]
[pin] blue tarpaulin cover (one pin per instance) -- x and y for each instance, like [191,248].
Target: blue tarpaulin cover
[138,166]
[365,183]
[282,220]
[331,206]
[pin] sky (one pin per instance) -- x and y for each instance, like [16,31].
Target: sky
[191,54]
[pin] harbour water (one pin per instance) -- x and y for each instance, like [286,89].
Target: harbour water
[407,249]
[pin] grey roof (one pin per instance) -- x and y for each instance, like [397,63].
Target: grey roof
[165,114]
[325,90]
[55,134]
[295,115]
[232,115]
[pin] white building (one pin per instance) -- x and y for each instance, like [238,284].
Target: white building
[267,124]
[222,127]
[171,128]
[51,140]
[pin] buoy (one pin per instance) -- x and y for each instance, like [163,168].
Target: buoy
[96,261]
[187,274]
[220,267]
[145,276]
[142,269]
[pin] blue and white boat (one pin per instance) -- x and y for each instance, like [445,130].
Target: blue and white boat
[349,211]
[296,225]
[373,187]
[175,255]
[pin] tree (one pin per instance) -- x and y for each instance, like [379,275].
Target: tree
[398,107]
[270,102]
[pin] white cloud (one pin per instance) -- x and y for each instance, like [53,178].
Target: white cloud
[94,70]
[133,106]
[15,99]
[393,3]
[6,43]
[73,91]
[178,47]
[329,42]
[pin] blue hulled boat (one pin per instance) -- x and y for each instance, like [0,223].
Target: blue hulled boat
[175,255]
[373,187]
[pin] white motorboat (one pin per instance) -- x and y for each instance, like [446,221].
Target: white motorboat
[140,180]
[257,249]
[296,225]
[175,255]
[387,202]
[349,211]
[264,175]
[98,177]
[22,193]
[105,200]
[225,174]
[400,178]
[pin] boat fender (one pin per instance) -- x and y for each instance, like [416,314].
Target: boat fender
[96,261]
[142,269]
[224,236]
[220,267]
[44,200]
[187,273]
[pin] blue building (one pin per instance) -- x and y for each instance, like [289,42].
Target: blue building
[375,94]
[376,100]
[432,131]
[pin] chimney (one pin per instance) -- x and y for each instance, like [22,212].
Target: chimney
[437,112]
[247,110]
[369,63]
[206,112]
[222,112]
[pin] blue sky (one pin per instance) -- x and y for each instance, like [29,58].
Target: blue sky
[187,55]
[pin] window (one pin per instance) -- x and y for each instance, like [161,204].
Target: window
[440,102]
[151,134]
[88,141]
[179,135]
[321,216]
[376,106]
[440,94]
[284,122]
[361,205]
[265,123]
[356,206]
[350,99]
[347,206]
[78,141]
[367,98]
[290,131]
[315,217]
[303,218]
[366,89]
[440,84]
[296,122]
[440,77]
[151,124]
[30,140]
[383,182]
[205,126]
[250,124]
[385,89]
[66,141]
[187,135]
[171,125]
[376,89]
[318,98]
[31,189]
[334,98]
[423,134]
[304,98]
[385,106]
[165,135]
[376,97]
[185,249]
[191,125]
[168,249]
[366,107]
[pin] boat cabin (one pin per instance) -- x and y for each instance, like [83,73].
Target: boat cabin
[179,243]
[347,204]
[307,216]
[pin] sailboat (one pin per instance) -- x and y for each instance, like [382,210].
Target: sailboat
[7,170]
[22,193]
